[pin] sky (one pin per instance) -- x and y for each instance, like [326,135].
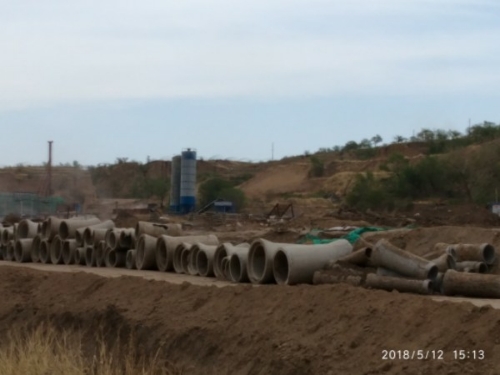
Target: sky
[144,80]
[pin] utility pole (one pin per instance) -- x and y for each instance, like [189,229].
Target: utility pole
[49,169]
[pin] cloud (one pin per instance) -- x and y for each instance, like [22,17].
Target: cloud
[58,51]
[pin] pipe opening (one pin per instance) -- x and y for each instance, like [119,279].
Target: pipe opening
[258,262]
[184,260]
[44,251]
[112,258]
[88,255]
[280,267]
[368,252]
[178,256]
[66,251]
[433,272]
[202,263]
[483,268]
[235,270]
[64,230]
[488,253]
[220,254]
[450,261]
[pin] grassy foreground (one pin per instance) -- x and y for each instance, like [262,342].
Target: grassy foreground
[45,351]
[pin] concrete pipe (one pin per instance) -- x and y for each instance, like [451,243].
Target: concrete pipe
[439,249]
[88,233]
[166,245]
[388,256]
[192,268]
[178,264]
[96,236]
[116,258]
[80,256]
[112,238]
[45,251]
[145,258]
[225,268]
[185,256]
[470,266]
[127,238]
[205,259]
[90,256]
[476,252]
[10,251]
[445,262]
[67,228]
[359,257]
[225,250]
[157,230]
[130,261]
[50,227]
[68,251]
[293,265]
[438,282]
[22,251]
[35,249]
[100,254]
[401,285]
[381,271]
[238,265]
[471,284]
[56,250]
[7,235]
[27,229]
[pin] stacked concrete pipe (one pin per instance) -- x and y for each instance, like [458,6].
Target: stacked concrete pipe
[7,235]
[115,258]
[130,260]
[56,250]
[297,264]
[27,229]
[177,261]
[185,259]
[92,235]
[68,251]
[388,256]
[45,251]
[80,256]
[157,230]
[145,258]
[238,263]
[472,266]
[192,267]
[22,252]
[205,259]
[399,284]
[127,238]
[67,228]
[445,262]
[35,249]
[476,252]
[90,256]
[166,245]
[80,232]
[100,254]
[223,251]
[471,284]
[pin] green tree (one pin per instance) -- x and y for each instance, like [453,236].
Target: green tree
[216,187]
[376,139]
[317,167]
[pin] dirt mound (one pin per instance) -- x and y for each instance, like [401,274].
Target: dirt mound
[260,330]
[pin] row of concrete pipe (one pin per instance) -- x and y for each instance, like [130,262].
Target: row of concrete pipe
[149,246]
[451,269]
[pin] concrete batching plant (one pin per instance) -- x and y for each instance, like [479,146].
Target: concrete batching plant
[183,180]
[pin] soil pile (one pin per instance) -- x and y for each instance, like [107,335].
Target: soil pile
[329,329]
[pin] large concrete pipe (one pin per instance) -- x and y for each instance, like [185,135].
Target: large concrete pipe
[68,251]
[10,250]
[50,227]
[296,265]
[22,252]
[100,254]
[7,235]
[165,248]
[130,261]
[88,233]
[27,229]
[438,282]
[56,250]
[116,258]
[403,262]
[470,266]
[471,284]
[127,238]
[96,236]
[45,251]
[145,258]
[192,267]
[205,259]
[90,256]
[186,266]
[35,248]
[178,264]
[476,252]
[238,264]
[439,249]
[80,256]
[225,250]
[67,228]
[112,238]
[445,262]
[399,284]
[359,257]
[157,230]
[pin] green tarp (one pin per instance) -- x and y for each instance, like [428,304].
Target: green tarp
[352,236]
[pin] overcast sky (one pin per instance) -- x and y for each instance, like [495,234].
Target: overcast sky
[109,79]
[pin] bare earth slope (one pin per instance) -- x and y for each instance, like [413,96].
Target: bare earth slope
[265,330]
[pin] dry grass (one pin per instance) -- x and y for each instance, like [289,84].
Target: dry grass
[45,351]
